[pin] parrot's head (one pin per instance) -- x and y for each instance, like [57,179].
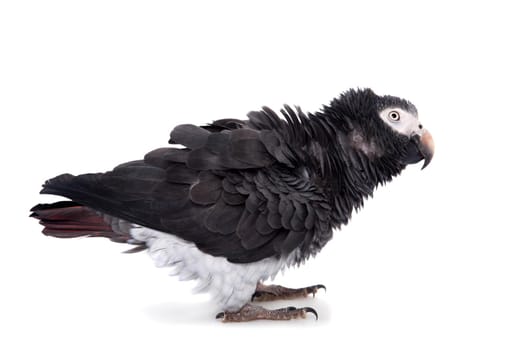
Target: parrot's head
[401,118]
[382,127]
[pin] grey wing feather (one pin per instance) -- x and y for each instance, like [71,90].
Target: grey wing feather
[222,192]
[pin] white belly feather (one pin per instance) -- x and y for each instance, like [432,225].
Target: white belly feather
[231,285]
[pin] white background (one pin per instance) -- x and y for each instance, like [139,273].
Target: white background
[435,261]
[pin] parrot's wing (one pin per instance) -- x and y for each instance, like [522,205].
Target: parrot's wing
[225,192]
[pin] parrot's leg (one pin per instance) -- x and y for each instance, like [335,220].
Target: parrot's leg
[271,292]
[250,312]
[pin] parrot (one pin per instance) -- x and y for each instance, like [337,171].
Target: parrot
[234,202]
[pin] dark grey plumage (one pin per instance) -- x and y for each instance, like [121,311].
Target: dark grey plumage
[255,188]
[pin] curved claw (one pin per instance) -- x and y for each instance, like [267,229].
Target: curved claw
[319,286]
[309,309]
[314,289]
[219,315]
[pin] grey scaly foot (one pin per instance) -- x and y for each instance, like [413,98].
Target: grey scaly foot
[275,292]
[250,312]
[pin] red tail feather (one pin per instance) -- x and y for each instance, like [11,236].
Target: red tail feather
[69,219]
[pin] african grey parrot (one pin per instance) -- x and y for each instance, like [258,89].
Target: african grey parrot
[241,199]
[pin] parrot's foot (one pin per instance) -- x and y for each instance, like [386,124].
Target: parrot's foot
[250,312]
[274,292]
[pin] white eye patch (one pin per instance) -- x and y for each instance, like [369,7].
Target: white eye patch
[401,121]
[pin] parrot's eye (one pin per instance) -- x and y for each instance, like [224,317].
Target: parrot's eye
[394,116]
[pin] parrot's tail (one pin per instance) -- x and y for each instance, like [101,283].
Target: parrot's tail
[68,219]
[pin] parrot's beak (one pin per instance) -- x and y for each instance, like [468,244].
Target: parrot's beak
[421,146]
[426,147]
